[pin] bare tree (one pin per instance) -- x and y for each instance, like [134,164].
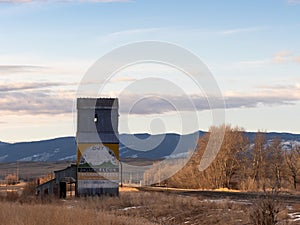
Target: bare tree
[232,152]
[258,156]
[11,179]
[223,170]
[241,165]
[275,157]
[292,159]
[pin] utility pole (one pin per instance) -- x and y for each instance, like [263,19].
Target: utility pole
[17,171]
[121,173]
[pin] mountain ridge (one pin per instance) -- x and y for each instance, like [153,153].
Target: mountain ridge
[131,146]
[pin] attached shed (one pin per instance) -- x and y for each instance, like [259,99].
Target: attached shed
[59,185]
[47,188]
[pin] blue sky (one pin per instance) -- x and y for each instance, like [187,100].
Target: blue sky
[251,47]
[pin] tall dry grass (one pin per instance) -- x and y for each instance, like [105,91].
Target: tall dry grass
[130,208]
[134,208]
[18,214]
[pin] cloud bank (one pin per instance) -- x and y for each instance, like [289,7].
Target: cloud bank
[35,102]
[42,98]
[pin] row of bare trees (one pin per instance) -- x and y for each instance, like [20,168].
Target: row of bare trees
[260,165]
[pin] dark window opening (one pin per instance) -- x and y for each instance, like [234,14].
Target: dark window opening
[96,118]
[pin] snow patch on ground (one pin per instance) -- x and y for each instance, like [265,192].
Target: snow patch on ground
[132,207]
[295,216]
[218,201]
[177,156]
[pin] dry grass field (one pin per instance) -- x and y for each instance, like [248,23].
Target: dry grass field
[31,170]
[141,206]
[134,207]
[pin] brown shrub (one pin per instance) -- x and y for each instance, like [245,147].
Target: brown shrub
[265,211]
[11,179]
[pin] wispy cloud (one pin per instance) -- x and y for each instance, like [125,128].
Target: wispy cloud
[165,32]
[247,64]
[123,79]
[140,32]
[134,31]
[36,98]
[167,103]
[240,30]
[293,1]
[282,57]
[67,1]
[8,69]
[252,101]
[30,86]
[285,57]
[297,59]
[104,1]
[292,90]
[13,1]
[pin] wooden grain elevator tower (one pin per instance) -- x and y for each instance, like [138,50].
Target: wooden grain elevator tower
[97,146]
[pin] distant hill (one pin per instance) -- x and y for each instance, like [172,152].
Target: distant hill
[47,150]
[131,146]
[168,144]
[3,143]
[272,135]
